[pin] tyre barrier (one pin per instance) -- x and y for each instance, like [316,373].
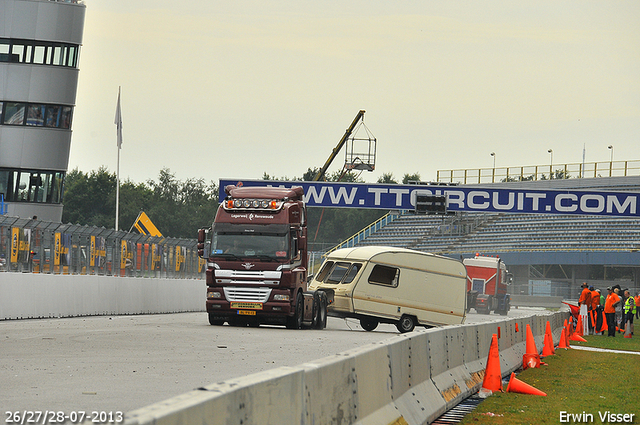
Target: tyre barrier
[409,379]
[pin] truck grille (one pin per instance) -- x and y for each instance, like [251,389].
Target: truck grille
[259,295]
[242,277]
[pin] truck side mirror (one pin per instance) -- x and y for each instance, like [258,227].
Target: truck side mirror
[202,234]
[203,244]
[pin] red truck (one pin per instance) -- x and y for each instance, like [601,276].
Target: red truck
[487,281]
[256,253]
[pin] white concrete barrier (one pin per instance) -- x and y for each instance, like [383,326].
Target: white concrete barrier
[31,296]
[412,378]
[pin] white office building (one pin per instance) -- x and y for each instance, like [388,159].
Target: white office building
[39,55]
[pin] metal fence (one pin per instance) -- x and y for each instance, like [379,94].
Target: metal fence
[540,172]
[34,246]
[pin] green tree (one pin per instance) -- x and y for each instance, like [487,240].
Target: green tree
[310,174]
[178,209]
[90,198]
[387,178]
[410,177]
[133,199]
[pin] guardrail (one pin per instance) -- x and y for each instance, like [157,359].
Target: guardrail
[412,378]
[540,172]
[30,245]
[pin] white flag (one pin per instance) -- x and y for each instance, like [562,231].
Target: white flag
[118,121]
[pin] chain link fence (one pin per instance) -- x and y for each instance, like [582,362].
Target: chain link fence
[34,246]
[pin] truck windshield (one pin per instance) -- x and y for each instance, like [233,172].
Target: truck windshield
[242,245]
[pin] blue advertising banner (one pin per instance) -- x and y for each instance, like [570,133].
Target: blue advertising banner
[458,198]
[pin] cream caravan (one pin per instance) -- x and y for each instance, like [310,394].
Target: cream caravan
[393,285]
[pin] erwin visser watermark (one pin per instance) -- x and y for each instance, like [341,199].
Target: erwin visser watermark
[602,417]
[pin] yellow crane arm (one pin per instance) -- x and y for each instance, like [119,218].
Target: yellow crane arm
[341,143]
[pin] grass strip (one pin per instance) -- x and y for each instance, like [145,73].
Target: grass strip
[583,383]
[619,342]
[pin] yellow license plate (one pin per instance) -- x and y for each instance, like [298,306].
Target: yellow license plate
[247,312]
[250,306]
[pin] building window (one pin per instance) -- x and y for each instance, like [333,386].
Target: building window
[31,185]
[37,115]
[39,52]
[14,113]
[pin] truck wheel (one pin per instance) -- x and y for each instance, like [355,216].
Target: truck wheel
[406,324]
[295,322]
[215,321]
[320,317]
[368,323]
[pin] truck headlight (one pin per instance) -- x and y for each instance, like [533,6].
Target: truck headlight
[281,297]
[214,294]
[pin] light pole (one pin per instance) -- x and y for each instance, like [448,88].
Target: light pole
[551,164]
[493,177]
[610,147]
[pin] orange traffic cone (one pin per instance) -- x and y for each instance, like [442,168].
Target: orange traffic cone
[577,337]
[531,358]
[548,348]
[628,330]
[567,329]
[492,376]
[531,343]
[517,386]
[563,340]
[579,327]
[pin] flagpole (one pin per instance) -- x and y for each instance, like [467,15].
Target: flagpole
[118,189]
[118,122]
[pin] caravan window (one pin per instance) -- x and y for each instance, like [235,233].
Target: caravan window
[384,275]
[341,272]
[351,274]
[338,272]
[324,271]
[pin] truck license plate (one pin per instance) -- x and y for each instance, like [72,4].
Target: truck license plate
[251,306]
[247,312]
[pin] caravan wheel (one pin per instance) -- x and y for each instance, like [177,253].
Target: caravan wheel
[406,324]
[368,323]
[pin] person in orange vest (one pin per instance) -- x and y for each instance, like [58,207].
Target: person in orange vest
[593,314]
[585,300]
[610,311]
[585,296]
[638,306]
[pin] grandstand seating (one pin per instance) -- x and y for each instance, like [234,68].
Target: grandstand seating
[471,232]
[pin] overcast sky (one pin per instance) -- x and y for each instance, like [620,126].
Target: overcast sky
[214,89]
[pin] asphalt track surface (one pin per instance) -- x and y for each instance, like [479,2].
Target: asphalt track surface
[123,363]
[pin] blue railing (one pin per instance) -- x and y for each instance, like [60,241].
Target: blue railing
[366,232]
